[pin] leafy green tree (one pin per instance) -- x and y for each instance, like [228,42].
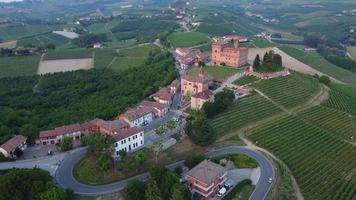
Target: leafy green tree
[171,124]
[199,129]
[135,190]
[53,193]
[66,144]
[160,130]
[170,179]
[193,160]
[152,191]
[157,149]
[120,166]
[325,80]
[104,162]
[30,131]
[257,63]
[181,192]
[122,154]
[101,144]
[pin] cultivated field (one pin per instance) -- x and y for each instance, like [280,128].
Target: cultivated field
[8,45]
[341,101]
[67,34]
[352,51]
[187,39]
[320,64]
[291,90]
[246,111]
[63,65]
[68,54]
[19,65]
[322,163]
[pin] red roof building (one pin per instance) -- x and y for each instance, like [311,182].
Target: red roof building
[14,147]
[197,101]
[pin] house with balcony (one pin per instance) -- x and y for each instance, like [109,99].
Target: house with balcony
[206,179]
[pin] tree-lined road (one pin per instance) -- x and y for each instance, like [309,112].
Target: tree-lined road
[64,176]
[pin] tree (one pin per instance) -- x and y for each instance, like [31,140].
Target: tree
[325,80]
[223,100]
[152,192]
[180,192]
[104,162]
[199,129]
[170,179]
[157,148]
[193,160]
[66,144]
[160,130]
[135,190]
[171,124]
[138,160]
[257,63]
[101,144]
[122,154]
[30,131]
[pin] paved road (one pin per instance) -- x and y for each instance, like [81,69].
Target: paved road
[65,178]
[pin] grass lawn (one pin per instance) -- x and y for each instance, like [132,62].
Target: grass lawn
[319,63]
[242,191]
[240,160]
[137,51]
[352,51]
[19,65]
[262,43]
[123,63]
[246,80]
[216,71]
[68,54]
[187,39]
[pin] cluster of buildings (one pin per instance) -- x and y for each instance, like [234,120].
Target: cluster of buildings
[261,17]
[127,130]
[197,89]
[188,57]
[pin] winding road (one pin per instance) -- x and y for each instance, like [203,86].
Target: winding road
[64,176]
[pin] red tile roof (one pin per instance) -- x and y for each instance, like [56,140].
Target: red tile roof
[153,104]
[206,94]
[124,133]
[164,94]
[207,172]
[13,143]
[136,113]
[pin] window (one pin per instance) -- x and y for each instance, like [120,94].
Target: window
[141,141]
[140,134]
[129,139]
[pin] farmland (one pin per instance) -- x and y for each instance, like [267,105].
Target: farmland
[341,101]
[219,72]
[246,111]
[48,38]
[317,62]
[352,51]
[19,65]
[289,91]
[316,157]
[68,54]
[187,39]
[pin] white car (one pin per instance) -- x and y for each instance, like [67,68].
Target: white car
[270,179]
[221,192]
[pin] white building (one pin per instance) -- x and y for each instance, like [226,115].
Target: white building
[128,140]
[14,147]
[138,117]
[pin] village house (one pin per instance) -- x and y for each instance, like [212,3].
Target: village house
[192,85]
[206,179]
[75,131]
[187,57]
[128,140]
[14,147]
[138,117]
[197,101]
[174,86]
[223,54]
[159,109]
[164,96]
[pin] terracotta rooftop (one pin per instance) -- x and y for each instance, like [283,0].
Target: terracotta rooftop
[154,104]
[206,94]
[136,113]
[124,133]
[175,83]
[13,143]
[164,94]
[207,172]
[197,79]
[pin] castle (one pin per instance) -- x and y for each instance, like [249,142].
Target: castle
[223,54]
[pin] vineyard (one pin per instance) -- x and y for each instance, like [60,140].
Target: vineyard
[341,101]
[331,120]
[248,110]
[289,91]
[321,162]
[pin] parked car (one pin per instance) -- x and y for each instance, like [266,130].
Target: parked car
[270,179]
[221,192]
[228,184]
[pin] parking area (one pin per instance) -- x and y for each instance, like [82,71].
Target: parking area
[38,151]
